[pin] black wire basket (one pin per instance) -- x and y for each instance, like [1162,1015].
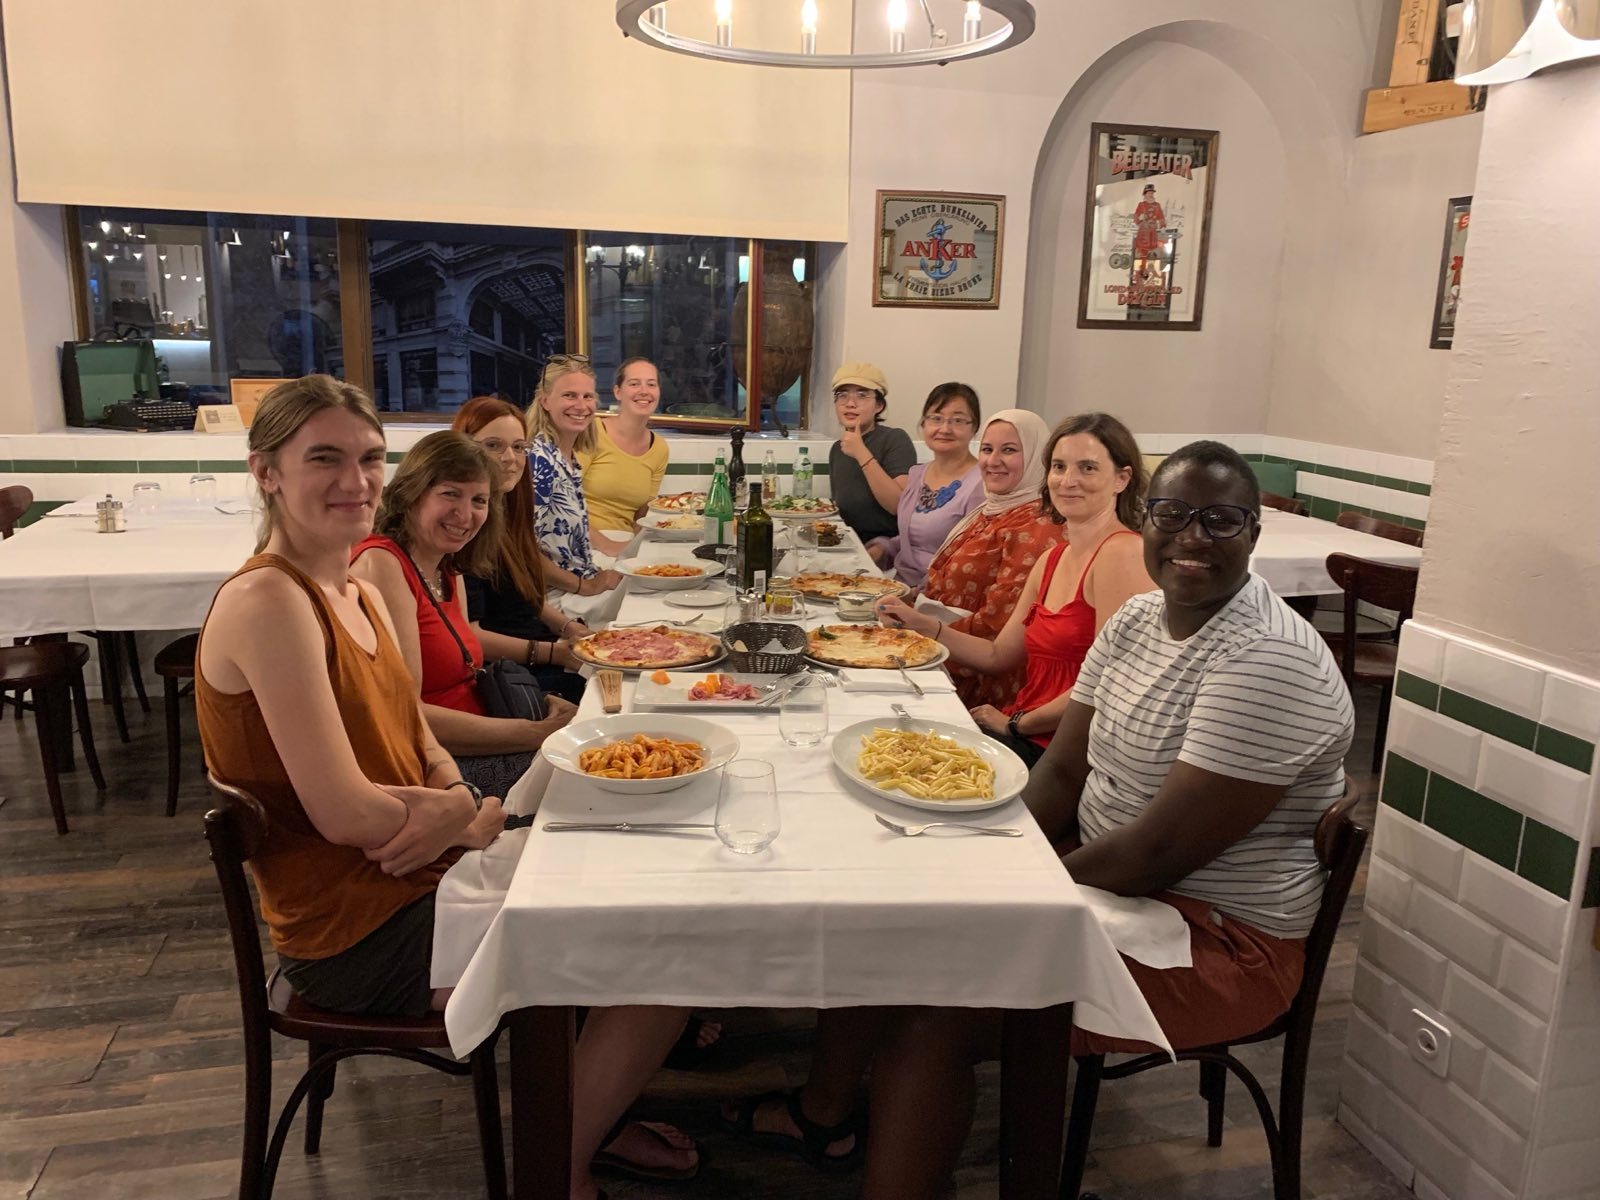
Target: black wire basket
[758,634]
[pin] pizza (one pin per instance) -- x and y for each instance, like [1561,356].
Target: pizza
[680,502]
[801,506]
[660,646]
[869,646]
[826,585]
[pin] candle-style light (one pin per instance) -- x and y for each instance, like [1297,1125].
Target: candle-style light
[724,22]
[658,16]
[897,26]
[972,23]
[808,27]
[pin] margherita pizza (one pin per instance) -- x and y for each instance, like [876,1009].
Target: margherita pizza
[869,646]
[826,585]
[680,502]
[633,649]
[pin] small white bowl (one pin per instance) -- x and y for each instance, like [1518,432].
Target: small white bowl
[670,583]
[562,748]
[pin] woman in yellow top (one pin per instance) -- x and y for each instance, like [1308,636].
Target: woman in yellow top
[622,474]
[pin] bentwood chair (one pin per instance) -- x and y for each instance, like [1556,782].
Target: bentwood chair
[1378,527]
[1363,660]
[1288,504]
[14,501]
[51,670]
[175,663]
[236,829]
[1339,843]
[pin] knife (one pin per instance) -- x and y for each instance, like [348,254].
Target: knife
[624,826]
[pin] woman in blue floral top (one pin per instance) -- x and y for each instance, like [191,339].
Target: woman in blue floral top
[938,493]
[560,424]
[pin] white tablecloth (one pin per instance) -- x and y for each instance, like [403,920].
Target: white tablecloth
[1293,552]
[838,911]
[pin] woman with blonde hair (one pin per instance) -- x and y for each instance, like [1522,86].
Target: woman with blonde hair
[623,472]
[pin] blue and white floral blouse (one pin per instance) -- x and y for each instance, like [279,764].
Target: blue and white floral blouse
[560,517]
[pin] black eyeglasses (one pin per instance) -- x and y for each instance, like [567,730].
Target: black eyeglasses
[1220,521]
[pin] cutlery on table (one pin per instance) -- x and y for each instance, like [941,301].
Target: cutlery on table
[624,826]
[780,687]
[900,711]
[919,830]
[900,665]
[662,621]
[610,690]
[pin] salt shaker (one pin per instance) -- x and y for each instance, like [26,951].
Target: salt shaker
[102,515]
[119,518]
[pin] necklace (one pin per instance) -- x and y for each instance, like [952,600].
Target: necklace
[436,584]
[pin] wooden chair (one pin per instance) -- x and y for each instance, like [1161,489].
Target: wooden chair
[1339,843]
[236,829]
[1286,504]
[1378,527]
[1364,660]
[51,669]
[117,647]
[175,662]
[14,501]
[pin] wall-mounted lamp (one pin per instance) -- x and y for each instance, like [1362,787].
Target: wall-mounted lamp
[1506,40]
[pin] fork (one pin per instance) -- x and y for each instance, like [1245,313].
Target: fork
[674,624]
[919,830]
[900,665]
[900,711]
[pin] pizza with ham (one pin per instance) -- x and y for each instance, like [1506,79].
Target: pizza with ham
[869,646]
[680,502]
[826,585]
[636,649]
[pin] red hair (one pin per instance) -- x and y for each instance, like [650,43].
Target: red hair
[519,545]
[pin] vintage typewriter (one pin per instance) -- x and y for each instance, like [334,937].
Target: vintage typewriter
[149,415]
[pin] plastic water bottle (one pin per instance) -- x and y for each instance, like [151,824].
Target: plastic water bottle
[802,473]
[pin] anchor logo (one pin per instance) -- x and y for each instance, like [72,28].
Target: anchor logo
[943,265]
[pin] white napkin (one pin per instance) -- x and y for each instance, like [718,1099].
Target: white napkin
[1146,930]
[944,612]
[861,679]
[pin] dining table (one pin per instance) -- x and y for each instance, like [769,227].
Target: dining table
[837,911]
[1292,552]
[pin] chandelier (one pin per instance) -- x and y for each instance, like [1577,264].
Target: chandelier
[648,21]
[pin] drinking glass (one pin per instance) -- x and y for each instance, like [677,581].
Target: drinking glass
[784,602]
[747,806]
[803,713]
[146,499]
[203,489]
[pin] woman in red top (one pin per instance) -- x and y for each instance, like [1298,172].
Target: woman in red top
[1094,485]
[441,516]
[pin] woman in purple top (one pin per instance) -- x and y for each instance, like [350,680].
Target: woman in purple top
[938,493]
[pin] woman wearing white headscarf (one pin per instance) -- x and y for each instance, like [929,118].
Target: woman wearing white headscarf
[985,561]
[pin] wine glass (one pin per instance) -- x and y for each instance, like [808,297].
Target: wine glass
[747,806]
[805,534]
[145,501]
[203,489]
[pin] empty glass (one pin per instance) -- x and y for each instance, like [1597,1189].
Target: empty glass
[803,712]
[146,500]
[203,489]
[747,806]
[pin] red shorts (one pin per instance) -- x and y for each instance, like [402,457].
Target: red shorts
[1239,982]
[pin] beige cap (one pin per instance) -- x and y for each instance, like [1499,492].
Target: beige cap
[860,374]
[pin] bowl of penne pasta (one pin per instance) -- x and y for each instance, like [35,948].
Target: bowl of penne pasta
[929,764]
[640,753]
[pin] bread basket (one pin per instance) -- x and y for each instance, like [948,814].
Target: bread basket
[756,635]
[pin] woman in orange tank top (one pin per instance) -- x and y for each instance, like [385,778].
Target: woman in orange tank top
[304,700]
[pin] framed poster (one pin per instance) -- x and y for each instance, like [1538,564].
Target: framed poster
[1147,227]
[247,393]
[1448,298]
[939,250]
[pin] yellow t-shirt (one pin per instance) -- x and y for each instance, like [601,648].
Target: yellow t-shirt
[617,484]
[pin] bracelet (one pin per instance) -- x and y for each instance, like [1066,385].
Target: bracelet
[1014,725]
[939,632]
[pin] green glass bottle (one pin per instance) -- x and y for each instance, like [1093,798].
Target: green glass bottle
[755,544]
[719,506]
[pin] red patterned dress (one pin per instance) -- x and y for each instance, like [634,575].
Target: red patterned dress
[984,570]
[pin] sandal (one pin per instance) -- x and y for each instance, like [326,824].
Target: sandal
[687,1053]
[814,1140]
[616,1164]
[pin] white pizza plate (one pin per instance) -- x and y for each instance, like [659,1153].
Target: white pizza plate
[562,748]
[720,654]
[675,692]
[666,583]
[937,660]
[825,514]
[689,533]
[1010,776]
[899,589]
[703,599]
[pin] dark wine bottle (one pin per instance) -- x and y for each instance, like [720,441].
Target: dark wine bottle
[755,544]
[736,465]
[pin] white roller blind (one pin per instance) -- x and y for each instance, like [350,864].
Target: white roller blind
[515,112]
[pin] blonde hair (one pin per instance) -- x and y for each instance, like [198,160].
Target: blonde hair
[445,457]
[539,423]
[282,413]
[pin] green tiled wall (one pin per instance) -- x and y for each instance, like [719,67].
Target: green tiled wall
[1328,510]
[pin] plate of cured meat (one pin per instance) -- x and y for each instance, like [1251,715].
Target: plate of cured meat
[694,691]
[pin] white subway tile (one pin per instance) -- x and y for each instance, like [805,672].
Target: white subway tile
[1378,1146]
[1580,1001]
[1510,1093]
[1436,742]
[1530,979]
[1388,891]
[1572,706]
[1462,937]
[1531,784]
[1569,1114]
[1426,1189]
[1413,470]
[1418,851]
[1467,1053]
[1577,1051]
[1405,957]
[1491,1143]
[1309,483]
[1480,1186]
[1365,461]
[1506,1026]
[1373,991]
[1514,686]
[1422,652]
[1526,911]
[1566,1172]
[1404,504]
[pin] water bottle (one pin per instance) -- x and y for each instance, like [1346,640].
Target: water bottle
[769,477]
[802,473]
[719,506]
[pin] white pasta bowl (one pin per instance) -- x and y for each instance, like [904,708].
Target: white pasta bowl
[634,569]
[563,748]
[1010,775]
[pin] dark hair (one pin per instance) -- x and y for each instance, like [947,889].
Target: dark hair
[946,392]
[444,457]
[622,368]
[1214,454]
[1123,451]
[519,543]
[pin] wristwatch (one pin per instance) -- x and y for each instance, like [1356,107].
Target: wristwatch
[1013,726]
[472,790]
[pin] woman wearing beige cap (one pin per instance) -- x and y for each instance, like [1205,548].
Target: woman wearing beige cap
[869,465]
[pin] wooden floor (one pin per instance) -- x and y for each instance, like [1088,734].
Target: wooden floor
[120,1051]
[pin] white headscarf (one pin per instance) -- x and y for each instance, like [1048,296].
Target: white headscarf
[1031,432]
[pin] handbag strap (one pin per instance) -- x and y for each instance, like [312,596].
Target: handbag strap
[466,655]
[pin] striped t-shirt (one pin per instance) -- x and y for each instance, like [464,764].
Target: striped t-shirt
[1255,695]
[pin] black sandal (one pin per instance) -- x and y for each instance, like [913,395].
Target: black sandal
[814,1140]
[687,1054]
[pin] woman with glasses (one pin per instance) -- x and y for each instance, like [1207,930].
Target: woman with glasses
[508,608]
[624,470]
[1094,485]
[937,494]
[869,465]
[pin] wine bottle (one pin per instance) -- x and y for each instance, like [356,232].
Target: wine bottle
[736,466]
[755,543]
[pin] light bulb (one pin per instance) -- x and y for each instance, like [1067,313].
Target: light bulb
[111,258]
[198,279]
[92,245]
[162,257]
[808,27]
[105,226]
[897,26]
[139,255]
[166,274]
[724,10]
[972,23]
[127,230]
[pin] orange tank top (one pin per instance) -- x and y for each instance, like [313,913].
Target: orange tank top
[317,898]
